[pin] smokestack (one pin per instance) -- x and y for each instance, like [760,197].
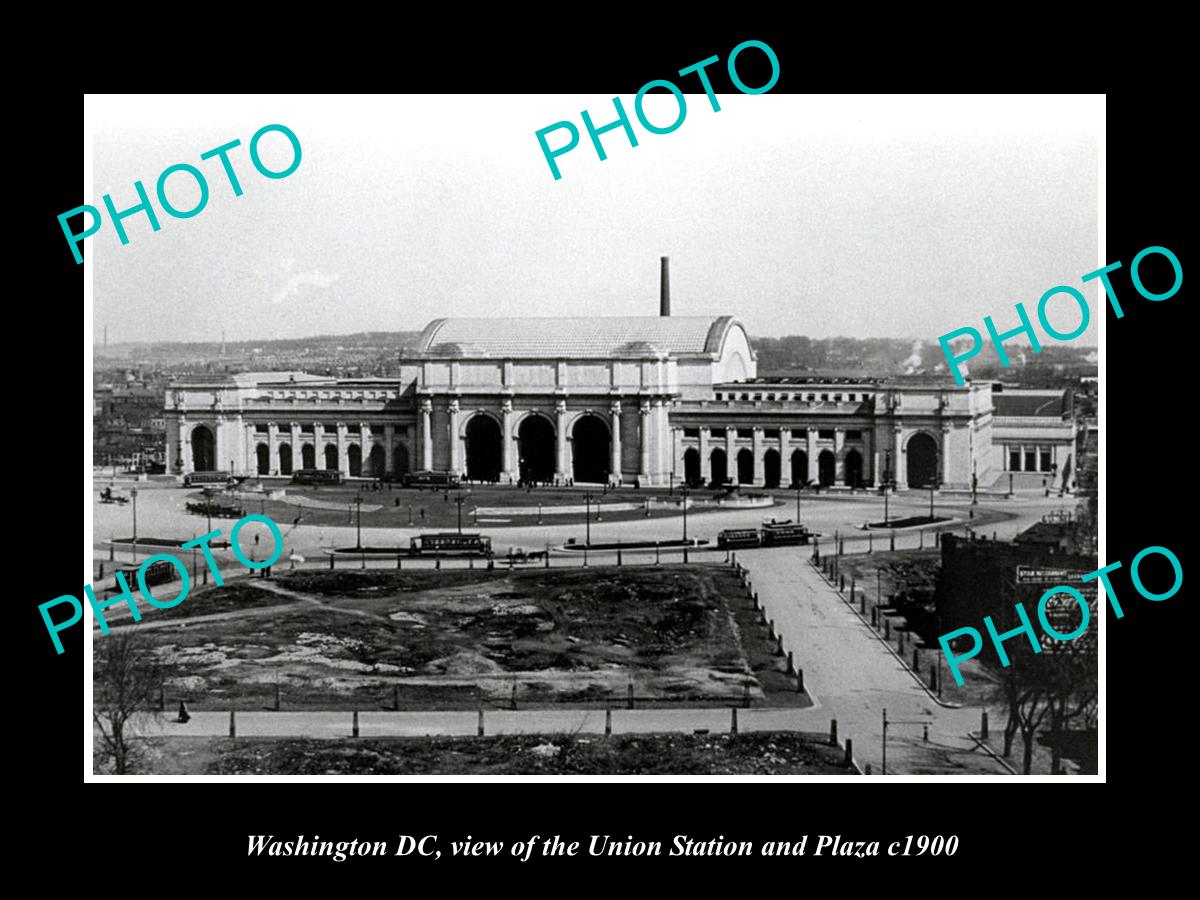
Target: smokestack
[664,294]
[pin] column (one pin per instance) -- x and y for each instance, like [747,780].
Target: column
[705,463]
[272,449]
[785,457]
[812,455]
[343,461]
[614,476]
[1020,457]
[660,435]
[366,443]
[944,462]
[389,449]
[760,472]
[560,445]
[185,441]
[453,455]
[839,456]
[426,434]
[251,445]
[297,459]
[869,461]
[899,472]
[318,445]
[644,442]
[508,462]
[731,468]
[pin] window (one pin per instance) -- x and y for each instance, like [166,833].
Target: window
[717,432]
[1014,459]
[262,428]
[771,434]
[826,433]
[866,398]
[719,395]
[1045,454]
[853,435]
[837,398]
[353,429]
[401,430]
[1030,460]
[812,397]
[745,396]
[824,398]
[770,396]
[691,432]
[745,432]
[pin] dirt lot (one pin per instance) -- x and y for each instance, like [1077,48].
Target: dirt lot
[451,639]
[757,753]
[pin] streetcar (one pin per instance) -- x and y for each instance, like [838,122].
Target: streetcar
[316,476]
[156,573]
[771,534]
[450,543]
[431,479]
[732,538]
[224,479]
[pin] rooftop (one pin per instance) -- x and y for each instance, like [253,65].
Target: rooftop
[1039,404]
[583,336]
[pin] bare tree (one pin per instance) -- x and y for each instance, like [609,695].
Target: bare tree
[126,681]
[1049,687]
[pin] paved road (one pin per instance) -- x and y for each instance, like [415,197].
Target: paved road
[854,677]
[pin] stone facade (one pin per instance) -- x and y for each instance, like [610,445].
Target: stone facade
[645,400]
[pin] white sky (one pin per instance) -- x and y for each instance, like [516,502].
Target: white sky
[817,215]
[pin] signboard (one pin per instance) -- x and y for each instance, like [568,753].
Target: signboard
[1062,610]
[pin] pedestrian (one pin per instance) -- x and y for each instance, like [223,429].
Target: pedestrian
[184,716]
[422,514]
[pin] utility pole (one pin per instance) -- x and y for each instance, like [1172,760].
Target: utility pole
[684,491]
[358,500]
[133,492]
[887,483]
[459,500]
[587,518]
[883,767]
[797,502]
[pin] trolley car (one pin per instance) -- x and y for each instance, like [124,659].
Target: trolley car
[316,476]
[450,543]
[191,479]
[216,509]
[771,534]
[156,573]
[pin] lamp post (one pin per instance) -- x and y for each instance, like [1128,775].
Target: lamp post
[587,518]
[797,502]
[133,492]
[887,482]
[358,500]
[459,501]
[933,482]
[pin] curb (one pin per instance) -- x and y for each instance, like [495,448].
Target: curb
[983,745]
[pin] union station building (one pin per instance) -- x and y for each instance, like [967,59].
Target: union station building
[618,400]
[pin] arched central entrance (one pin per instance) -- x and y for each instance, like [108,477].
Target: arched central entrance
[591,450]
[719,467]
[264,459]
[771,469]
[331,457]
[204,449]
[922,461]
[308,457]
[535,440]
[354,460]
[483,449]
[285,459]
[745,467]
[799,467]
[826,468]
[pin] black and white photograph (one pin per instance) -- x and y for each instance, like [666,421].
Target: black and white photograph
[458,435]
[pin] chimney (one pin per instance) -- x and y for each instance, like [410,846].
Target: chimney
[664,295]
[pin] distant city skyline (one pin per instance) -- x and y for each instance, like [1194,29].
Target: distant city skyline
[885,217]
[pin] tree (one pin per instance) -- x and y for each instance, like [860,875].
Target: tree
[126,681]
[1056,686]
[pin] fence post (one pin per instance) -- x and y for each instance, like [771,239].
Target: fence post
[983,725]
[330,562]
[779,644]
[833,732]
[399,564]
[932,677]
[901,643]
[514,695]
[870,541]
[921,539]
[479,727]
[607,721]
[849,752]
[893,544]
[354,725]
[874,616]
[685,553]
[862,603]
[277,696]
[162,696]
[887,629]
[630,693]
[232,724]
[618,553]
[746,695]
[733,720]
[396,696]
[756,599]
[916,659]
[791,663]
[799,681]
[656,553]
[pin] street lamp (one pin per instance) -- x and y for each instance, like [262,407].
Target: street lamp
[587,518]
[886,483]
[133,492]
[684,491]
[797,502]
[459,500]
[974,483]
[358,500]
